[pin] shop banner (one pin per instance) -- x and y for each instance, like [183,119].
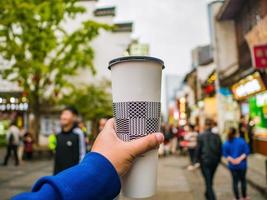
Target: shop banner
[257,41]
[260,56]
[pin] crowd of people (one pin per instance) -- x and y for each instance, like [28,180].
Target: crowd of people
[19,143]
[68,145]
[205,150]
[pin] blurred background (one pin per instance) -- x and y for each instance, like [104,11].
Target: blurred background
[55,54]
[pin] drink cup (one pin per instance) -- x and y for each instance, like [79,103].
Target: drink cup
[136,91]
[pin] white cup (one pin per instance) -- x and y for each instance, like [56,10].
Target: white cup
[136,91]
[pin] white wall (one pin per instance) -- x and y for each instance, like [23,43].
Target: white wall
[223,42]
[226,60]
[107,46]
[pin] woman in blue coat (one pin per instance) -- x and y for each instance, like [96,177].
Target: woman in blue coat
[97,176]
[236,151]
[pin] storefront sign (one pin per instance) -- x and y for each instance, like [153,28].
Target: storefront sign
[260,56]
[248,86]
[261,99]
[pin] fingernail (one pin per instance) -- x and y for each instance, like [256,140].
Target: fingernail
[160,137]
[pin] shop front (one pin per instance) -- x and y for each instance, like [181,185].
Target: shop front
[207,105]
[251,94]
[13,108]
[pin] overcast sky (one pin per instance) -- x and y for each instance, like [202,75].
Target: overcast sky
[171,27]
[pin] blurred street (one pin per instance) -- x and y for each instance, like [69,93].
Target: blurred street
[199,88]
[174,181]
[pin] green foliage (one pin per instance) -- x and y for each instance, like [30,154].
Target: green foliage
[41,52]
[93,102]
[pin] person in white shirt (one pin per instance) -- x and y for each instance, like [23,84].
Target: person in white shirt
[13,140]
[191,138]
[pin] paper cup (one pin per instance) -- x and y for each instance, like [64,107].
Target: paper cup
[136,91]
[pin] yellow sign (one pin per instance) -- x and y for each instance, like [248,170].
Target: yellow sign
[248,86]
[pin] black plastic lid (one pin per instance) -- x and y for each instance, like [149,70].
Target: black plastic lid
[135,58]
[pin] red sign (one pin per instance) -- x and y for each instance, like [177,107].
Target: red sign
[260,56]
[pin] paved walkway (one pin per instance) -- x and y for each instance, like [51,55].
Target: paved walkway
[175,182]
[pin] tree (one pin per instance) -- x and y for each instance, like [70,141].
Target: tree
[93,101]
[41,52]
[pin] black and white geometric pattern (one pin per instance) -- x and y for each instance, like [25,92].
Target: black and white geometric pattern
[137,127]
[153,110]
[136,119]
[120,110]
[137,109]
[122,126]
[152,125]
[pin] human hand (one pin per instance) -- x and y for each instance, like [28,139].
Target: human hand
[122,154]
[240,159]
[235,161]
[232,160]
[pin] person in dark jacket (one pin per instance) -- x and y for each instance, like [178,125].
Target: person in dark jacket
[97,176]
[209,155]
[70,142]
[236,151]
[251,126]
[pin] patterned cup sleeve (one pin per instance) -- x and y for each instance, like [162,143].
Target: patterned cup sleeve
[136,119]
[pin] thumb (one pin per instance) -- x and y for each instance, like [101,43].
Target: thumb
[144,144]
[110,124]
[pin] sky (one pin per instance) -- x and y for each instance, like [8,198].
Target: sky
[171,28]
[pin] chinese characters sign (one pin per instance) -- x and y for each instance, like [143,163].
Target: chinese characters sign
[260,56]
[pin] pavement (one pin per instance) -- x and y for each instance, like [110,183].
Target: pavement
[174,182]
[177,183]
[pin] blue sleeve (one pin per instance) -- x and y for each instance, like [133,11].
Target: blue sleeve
[225,150]
[94,178]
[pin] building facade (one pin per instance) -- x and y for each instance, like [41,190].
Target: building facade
[239,41]
[108,44]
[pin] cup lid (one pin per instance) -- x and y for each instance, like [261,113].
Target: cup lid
[135,58]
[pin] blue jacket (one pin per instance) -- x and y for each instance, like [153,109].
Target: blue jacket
[94,178]
[236,148]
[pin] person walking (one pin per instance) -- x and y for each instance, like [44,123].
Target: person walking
[22,131]
[209,155]
[191,138]
[243,127]
[173,142]
[70,143]
[28,145]
[13,140]
[251,126]
[236,151]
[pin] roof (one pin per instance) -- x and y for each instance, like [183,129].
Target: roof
[189,74]
[230,9]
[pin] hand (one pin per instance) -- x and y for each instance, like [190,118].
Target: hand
[236,161]
[232,160]
[122,154]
